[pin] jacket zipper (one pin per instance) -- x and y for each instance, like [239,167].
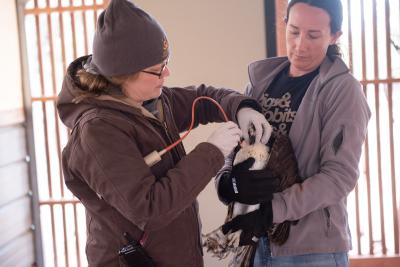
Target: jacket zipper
[173,150]
[194,209]
[198,224]
[165,144]
[164,121]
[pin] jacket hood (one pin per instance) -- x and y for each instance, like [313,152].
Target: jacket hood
[70,111]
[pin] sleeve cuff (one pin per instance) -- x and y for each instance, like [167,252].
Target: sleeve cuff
[250,103]
[278,208]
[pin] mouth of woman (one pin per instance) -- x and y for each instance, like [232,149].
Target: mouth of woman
[302,57]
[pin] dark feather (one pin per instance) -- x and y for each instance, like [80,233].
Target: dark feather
[282,162]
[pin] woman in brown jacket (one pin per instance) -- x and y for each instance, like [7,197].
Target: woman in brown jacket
[119,112]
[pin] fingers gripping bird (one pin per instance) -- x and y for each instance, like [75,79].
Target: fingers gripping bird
[280,159]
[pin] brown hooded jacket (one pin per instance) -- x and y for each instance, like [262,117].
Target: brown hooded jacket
[103,166]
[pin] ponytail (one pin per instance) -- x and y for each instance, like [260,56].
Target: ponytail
[96,84]
[333,50]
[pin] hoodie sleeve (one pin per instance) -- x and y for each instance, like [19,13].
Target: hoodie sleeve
[343,121]
[111,164]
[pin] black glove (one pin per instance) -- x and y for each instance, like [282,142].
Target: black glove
[252,224]
[247,186]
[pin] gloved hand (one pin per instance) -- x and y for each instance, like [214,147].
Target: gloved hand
[248,118]
[253,224]
[226,137]
[247,186]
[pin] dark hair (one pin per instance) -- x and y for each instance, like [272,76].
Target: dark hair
[334,9]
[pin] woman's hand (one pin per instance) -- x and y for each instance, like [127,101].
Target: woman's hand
[226,137]
[249,118]
[248,186]
[253,225]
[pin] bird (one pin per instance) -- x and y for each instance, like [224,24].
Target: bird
[278,156]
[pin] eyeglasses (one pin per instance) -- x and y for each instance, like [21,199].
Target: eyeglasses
[158,74]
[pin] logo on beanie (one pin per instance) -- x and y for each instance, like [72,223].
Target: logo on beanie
[165,48]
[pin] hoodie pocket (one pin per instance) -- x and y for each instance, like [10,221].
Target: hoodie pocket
[326,214]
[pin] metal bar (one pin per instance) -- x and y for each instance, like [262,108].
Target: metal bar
[270,29]
[63,59]
[57,130]
[62,39]
[38,34]
[27,104]
[376,81]
[53,201]
[378,124]
[391,134]
[358,228]
[349,35]
[280,11]
[63,56]
[393,171]
[73,32]
[49,10]
[44,98]
[356,191]
[77,246]
[367,176]
[85,29]
[95,14]
[53,80]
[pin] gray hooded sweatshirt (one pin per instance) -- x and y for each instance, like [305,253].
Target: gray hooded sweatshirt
[327,136]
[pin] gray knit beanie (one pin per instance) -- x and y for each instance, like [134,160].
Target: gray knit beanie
[127,40]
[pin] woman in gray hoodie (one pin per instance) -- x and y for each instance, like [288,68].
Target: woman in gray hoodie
[311,97]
